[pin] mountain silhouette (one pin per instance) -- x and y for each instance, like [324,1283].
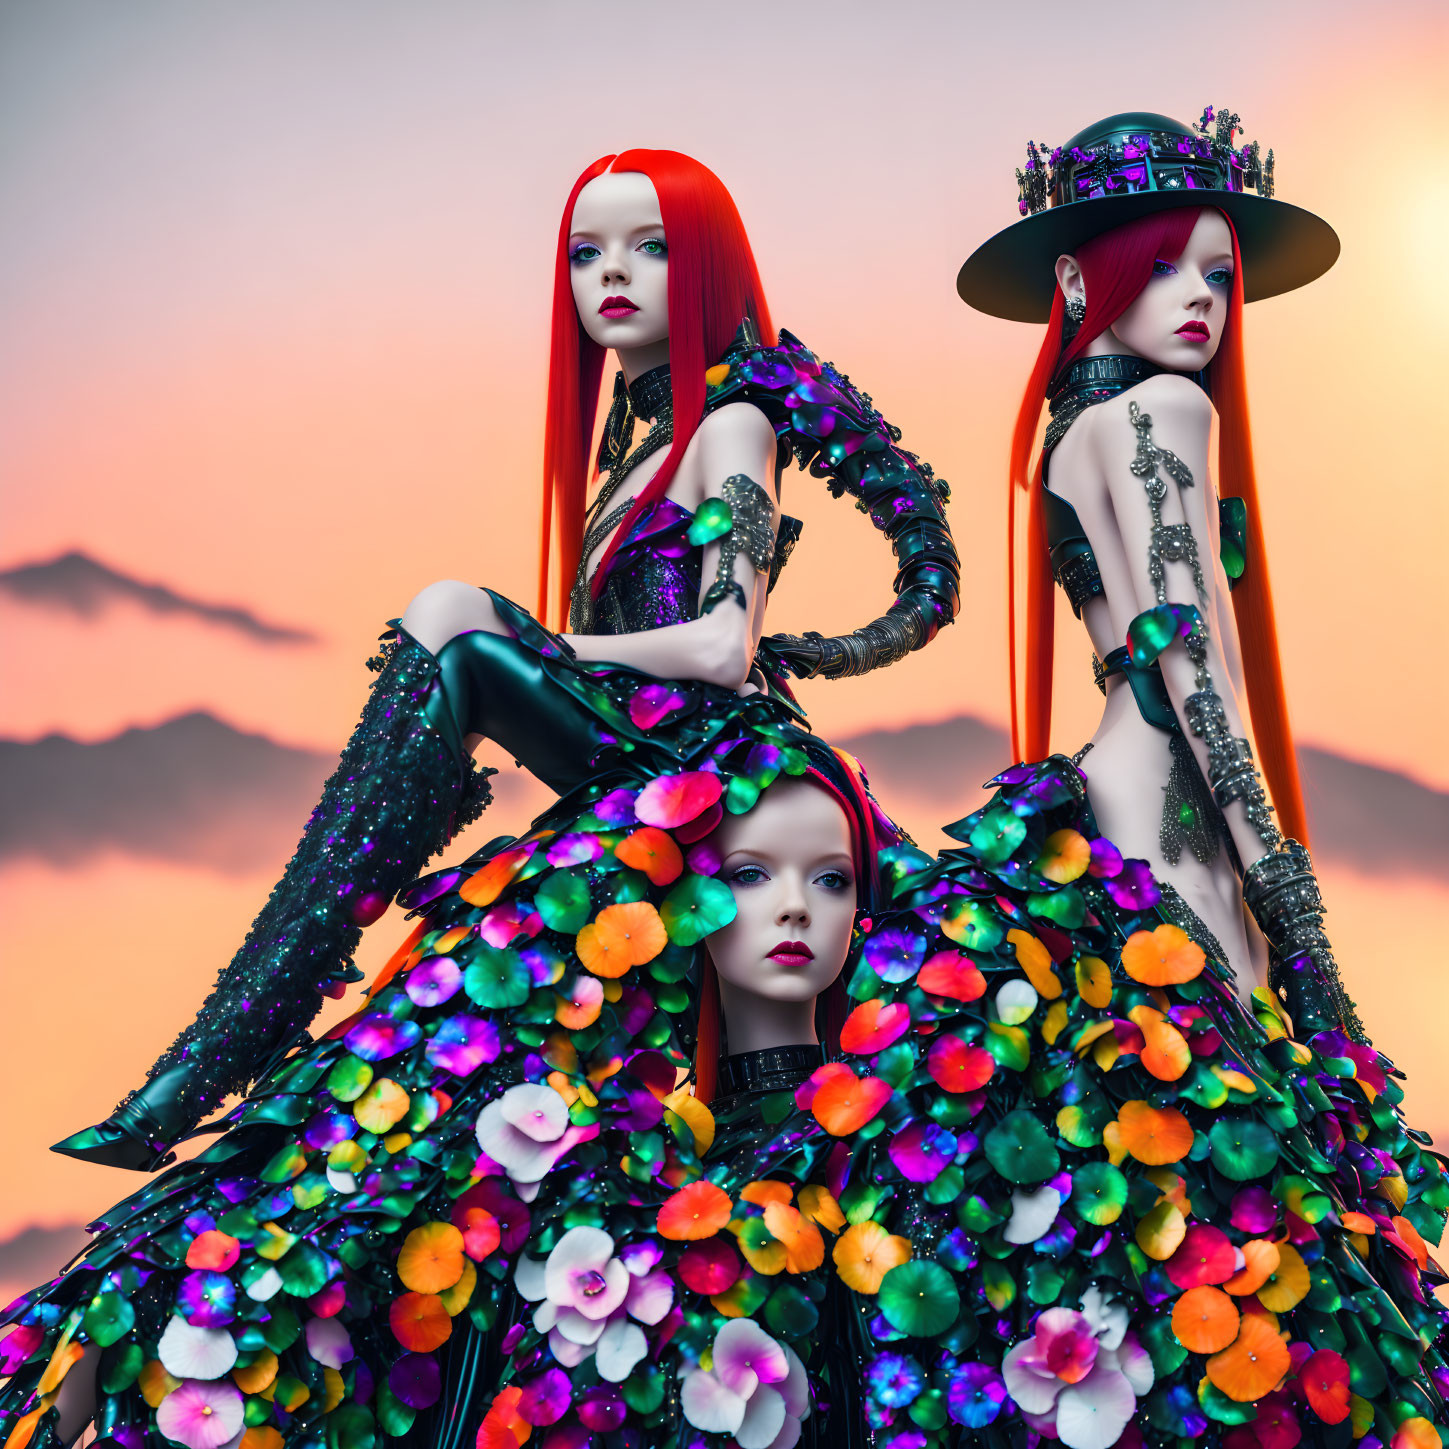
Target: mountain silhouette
[197,790]
[78,584]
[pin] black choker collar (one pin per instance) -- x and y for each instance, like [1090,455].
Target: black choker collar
[1097,378]
[649,397]
[775,1069]
[650,393]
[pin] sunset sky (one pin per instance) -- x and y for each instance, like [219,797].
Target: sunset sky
[275,283]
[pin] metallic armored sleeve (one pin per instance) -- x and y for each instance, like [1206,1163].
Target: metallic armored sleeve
[836,434]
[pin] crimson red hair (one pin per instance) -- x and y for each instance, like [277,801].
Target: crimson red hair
[851,795]
[1115,268]
[713,285]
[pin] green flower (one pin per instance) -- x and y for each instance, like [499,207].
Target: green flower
[919,1298]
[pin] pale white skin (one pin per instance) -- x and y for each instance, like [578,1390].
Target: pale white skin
[615,237]
[789,866]
[1090,468]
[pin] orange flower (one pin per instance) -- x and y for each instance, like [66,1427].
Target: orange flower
[949,973]
[1160,1233]
[1167,956]
[1154,1135]
[1253,1365]
[1409,1236]
[256,1375]
[804,1247]
[431,1258]
[1065,856]
[419,1322]
[1416,1433]
[865,1253]
[819,1206]
[1359,1223]
[503,1426]
[1094,981]
[873,1026]
[457,1298]
[649,849]
[156,1383]
[581,1007]
[699,1210]
[263,1436]
[1261,1264]
[1205,1320]
[484,887]
[1036,961]
[766,1191]
[621,936]
[67,1354]
[1165,1052]
[845,1103]
[1287,1285]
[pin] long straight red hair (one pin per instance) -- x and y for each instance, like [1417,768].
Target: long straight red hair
[1115,268]
[713,285]
[851,795]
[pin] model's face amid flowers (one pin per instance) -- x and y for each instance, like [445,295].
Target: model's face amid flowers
[788,864]
[1177,319]
[619,262]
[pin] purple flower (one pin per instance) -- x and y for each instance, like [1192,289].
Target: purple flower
[415,1380]
[895,1380]
[616,809]
[434,981]
[895,953]
[207,1299]
[976,1395]
[378,1036]
[463,1044]
[1133,887]
[922,1151]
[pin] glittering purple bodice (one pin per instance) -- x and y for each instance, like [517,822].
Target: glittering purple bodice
[654,577]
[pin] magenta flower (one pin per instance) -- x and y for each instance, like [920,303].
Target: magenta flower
[201,1415]
[1079,1376]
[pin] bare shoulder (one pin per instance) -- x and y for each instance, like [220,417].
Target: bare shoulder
[1173,395]
[1181,414]
[736,426]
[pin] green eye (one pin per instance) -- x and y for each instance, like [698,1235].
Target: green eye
[584,252]
[835,880]
[748,875]
[1220,277]
[653,247]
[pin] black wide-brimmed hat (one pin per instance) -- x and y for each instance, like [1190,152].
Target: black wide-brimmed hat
[1128,166]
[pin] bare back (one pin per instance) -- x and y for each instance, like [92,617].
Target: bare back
[1131,760]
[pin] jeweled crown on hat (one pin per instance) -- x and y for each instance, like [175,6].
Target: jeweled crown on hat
[1143,152]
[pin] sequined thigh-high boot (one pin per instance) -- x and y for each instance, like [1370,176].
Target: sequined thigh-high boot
[403,787]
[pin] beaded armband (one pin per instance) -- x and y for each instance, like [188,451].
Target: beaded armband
[835,433]
[743,521]
[1232,773]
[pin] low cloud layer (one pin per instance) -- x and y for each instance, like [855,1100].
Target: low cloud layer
[196,790]
[78,584]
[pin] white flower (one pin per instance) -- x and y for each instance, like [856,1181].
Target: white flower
[189,1352]
[755,1389]
[526,1131]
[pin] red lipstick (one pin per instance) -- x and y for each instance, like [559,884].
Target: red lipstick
[792,953]
[1194,331]
[616,307]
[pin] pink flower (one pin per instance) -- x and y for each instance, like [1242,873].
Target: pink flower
[201,1415]
[1079,1376]
[589,1297]
[756,1389]
[526,1131]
